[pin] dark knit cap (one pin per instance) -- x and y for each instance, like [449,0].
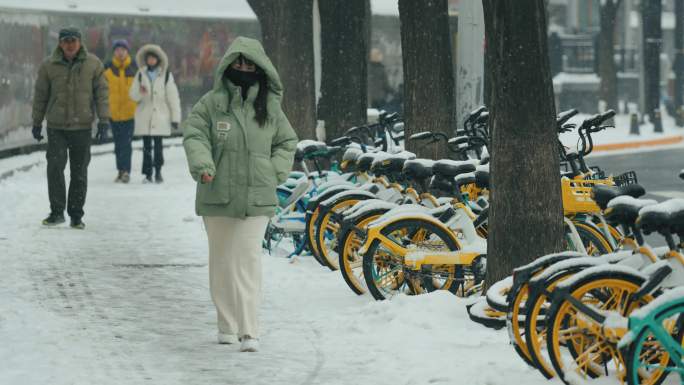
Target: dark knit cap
[120,43]
[69,33]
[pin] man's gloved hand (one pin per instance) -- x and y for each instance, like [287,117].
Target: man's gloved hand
[102,128]
[174,125]
[37,133]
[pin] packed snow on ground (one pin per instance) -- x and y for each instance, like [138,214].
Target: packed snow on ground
[126,301]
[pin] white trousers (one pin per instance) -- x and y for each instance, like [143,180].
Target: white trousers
[235,249]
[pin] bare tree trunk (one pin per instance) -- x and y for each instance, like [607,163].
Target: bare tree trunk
[526,215]
[429,101]
[679,62]
[287,34]
[344,64]
[606,53]
[651,13]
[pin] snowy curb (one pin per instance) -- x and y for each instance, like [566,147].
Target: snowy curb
[671,140]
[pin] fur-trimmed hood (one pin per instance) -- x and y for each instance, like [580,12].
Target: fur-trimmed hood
[157,50]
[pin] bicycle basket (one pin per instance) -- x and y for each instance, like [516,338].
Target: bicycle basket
[577,195]
[625,179]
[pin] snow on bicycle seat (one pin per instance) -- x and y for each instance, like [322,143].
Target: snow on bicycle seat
[351,155]
[603,194]
[625,209]
[418,168]
[392,163]
[466,178]
[452,168]
[308,147]
[365,161]
[662,216]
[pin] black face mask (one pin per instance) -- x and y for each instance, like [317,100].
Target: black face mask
[241,78]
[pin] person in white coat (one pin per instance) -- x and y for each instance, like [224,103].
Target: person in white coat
[158,110]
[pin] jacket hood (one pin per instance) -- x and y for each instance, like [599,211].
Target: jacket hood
[58,55]
[155,49]
[254,51]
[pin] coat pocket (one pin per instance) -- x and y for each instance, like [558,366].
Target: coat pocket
[218,191]
[262,196]
[262,171]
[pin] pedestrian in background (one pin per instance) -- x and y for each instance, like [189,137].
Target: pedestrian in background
[158,110]
[239,146]
[70,88]
[120,72]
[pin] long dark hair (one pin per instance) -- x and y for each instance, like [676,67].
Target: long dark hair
[260,103]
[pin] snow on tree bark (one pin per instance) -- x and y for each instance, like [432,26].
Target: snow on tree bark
[429,95]
[526,215]
[287,35]
[345,28]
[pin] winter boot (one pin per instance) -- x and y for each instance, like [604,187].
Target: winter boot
[249,344]
[77,223]
[158,176]
[53,219]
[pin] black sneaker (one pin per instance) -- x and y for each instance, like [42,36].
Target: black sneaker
[148,179]
[77,223]
[53,219]
[158,177]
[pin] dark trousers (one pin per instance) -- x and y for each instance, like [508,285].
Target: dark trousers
[152,157]
[123,135]
[74,146]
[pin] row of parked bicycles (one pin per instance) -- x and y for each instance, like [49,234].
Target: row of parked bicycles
[394,224]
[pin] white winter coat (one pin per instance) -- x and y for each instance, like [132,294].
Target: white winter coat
[160,106]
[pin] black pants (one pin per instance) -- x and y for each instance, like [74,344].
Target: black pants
[74,146]
[148,159]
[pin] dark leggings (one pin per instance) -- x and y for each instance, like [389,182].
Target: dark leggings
[152,157]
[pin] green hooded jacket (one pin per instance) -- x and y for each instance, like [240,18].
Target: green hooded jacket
[222,138]
[65,93]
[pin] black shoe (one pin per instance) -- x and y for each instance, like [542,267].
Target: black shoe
[158,177]
[53,219]
[148,179]
[77,223]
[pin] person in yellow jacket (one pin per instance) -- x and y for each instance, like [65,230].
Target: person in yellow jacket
[120,72]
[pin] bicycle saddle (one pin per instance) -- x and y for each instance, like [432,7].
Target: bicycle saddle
[625,209]
[351,155]
[418,168]
[452,168]
[665,218]
[364,162]
[482,177]
[466,178]
[392,163]
[603,194]
[309,147]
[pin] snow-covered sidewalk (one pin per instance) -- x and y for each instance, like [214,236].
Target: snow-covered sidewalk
[127,302]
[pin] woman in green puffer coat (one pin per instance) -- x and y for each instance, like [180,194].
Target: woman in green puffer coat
[239,146]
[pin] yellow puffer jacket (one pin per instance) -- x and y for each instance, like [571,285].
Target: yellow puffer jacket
[120,77]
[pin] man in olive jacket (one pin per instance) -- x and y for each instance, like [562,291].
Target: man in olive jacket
[70,82]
